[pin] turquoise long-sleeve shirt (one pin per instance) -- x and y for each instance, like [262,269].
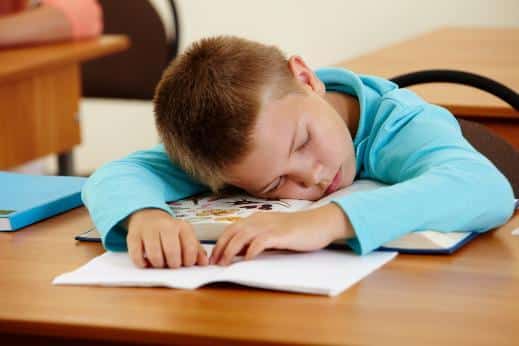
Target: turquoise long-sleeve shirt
[436,179]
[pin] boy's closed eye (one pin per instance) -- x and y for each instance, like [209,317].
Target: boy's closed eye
[277,185]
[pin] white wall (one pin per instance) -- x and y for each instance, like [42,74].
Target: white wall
[327,31]
[323,32]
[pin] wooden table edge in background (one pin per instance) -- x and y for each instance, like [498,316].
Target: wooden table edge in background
[489,51]
[40,91]
[57,54]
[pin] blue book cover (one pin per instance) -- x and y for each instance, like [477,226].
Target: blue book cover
[26,199]
[434,248]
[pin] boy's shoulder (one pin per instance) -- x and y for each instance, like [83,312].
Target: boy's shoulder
[389,93]
[398,107]
[404,98]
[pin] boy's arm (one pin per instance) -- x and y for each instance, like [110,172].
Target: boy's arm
[145,179]
[440,181]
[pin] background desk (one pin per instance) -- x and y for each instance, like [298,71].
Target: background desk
[40,88]
[491,52]
[470,298]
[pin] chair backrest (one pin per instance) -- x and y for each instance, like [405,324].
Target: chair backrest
[502,154]
[460,77]
[135,72]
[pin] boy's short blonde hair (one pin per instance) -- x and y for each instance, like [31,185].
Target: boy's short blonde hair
[208,99]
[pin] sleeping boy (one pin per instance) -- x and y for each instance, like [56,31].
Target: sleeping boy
[233,112]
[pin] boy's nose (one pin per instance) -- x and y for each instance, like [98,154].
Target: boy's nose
[312,176]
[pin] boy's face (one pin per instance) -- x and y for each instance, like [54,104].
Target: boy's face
[301,148]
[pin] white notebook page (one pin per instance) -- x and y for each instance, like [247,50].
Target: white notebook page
[326,272]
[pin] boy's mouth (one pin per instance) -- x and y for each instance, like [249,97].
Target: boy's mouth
[335,183]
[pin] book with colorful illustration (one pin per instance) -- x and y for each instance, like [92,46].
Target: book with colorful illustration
[210,214]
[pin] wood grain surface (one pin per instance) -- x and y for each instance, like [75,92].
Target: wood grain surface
[469,298]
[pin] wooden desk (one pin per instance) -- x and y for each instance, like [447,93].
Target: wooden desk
[470,298]
[40,88]
[491,52]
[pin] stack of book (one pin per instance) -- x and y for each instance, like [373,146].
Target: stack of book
[26,199]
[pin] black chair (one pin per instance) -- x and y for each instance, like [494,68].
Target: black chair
[504,156]
[134,73]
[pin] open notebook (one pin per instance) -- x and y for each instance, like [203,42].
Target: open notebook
[210,214]
[324,272]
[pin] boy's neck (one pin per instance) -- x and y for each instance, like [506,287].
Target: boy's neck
[348,108]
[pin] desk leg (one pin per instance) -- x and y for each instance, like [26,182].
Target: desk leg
[66,163]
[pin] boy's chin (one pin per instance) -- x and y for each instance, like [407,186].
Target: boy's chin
[348,178]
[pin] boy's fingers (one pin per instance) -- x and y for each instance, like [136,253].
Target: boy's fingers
[258,245]
[136,250]
[153,249]
[221,243]
[201,258]
[171,248]
[235,245]
[189,245]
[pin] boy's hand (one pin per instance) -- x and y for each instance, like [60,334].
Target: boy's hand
[301,231]
[166,241]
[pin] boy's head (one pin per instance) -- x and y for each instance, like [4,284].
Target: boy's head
[227,108]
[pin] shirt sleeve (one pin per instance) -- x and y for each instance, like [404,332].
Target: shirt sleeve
[438,181]
[84,16]
[145,179]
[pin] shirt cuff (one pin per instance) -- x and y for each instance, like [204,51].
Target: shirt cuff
[115,238]
[362,243]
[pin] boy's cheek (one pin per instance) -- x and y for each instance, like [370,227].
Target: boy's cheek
[349,172]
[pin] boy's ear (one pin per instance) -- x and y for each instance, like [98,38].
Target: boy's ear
[305,75]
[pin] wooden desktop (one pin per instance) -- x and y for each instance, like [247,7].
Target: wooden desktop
[469,298]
